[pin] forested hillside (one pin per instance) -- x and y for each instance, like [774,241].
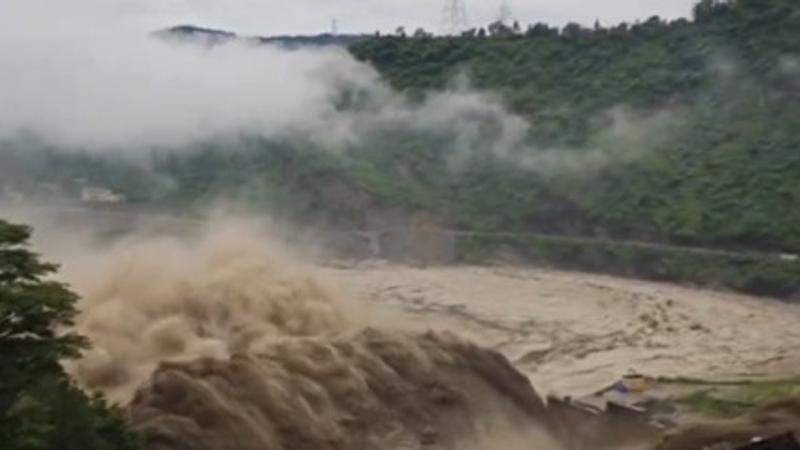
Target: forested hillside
[726,172]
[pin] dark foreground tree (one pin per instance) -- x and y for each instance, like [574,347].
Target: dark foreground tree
[40,407]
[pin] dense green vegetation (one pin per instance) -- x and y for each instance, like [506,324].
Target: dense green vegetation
[679,133]
[40,407]
[735,399]
[725,172]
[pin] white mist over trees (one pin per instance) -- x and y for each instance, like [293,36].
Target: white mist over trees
[76,80]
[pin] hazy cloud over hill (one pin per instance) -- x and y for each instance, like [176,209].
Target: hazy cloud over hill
[87,76]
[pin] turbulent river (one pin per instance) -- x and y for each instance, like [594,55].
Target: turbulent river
[226,339]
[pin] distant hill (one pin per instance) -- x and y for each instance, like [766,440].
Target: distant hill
[191,33]
[209,36]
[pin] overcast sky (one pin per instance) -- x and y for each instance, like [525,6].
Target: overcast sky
[313,16]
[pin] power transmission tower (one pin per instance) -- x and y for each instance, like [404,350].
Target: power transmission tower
[505,13]
[454,17]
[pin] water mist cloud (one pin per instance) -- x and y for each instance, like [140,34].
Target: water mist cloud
[88,77]
[95,81]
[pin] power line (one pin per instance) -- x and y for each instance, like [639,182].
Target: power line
[454,17]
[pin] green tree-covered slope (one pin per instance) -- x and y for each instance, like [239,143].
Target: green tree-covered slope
[725,173]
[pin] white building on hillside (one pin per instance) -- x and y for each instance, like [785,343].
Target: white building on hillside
[94,194]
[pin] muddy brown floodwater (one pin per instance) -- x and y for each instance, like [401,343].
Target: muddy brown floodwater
[573,334]
[224,336]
